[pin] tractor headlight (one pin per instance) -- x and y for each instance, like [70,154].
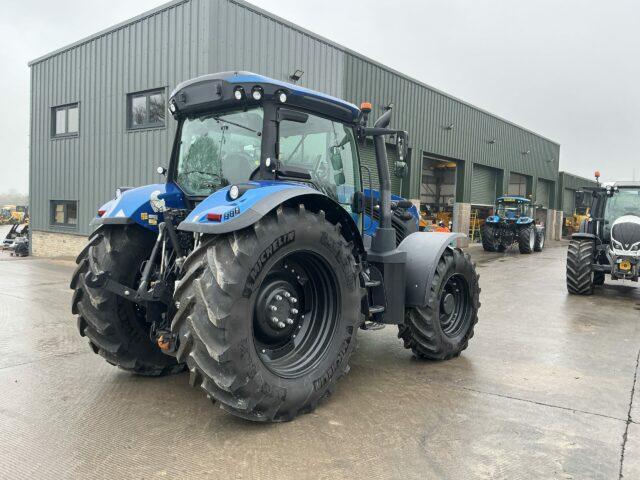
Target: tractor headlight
[282,96]
[616,244]
[234,192]
[172,107]
[238,93]
[256,93]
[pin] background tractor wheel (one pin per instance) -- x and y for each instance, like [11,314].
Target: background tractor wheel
[539,245]
[268,315]
[488,239]
[442,329]
[118,329]
[527,239]
[580,276]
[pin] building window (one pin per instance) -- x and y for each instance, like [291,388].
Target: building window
[64,213]
[65,120]
[146,109]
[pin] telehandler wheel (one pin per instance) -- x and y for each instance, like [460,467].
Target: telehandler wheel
[268,315]
[489,242]
[539,245]
[527,239]
[118,329]
[441,330]
[580,276]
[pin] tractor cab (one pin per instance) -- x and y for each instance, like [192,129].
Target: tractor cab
[513,208]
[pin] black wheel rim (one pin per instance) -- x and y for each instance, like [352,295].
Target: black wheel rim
[295,314]
[455,306]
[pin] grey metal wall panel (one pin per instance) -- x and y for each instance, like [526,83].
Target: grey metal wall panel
[368,159]
[568,201]
[157,51]
[543,193]
[573,182]
[483,185]
[186,38]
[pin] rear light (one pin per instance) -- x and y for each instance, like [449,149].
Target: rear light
[214,217]
[101,212]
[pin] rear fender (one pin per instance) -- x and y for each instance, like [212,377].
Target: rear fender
[134,206]
[424,250]
[219,214]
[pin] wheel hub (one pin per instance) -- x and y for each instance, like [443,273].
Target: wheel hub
[277,309]
[448,303]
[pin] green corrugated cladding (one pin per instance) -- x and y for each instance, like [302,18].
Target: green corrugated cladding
[186,38]
[568,181]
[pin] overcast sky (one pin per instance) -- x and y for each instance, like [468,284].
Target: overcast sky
[569,70]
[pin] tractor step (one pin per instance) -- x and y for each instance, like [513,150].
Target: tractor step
[376,309]
[372,283]
[373,326]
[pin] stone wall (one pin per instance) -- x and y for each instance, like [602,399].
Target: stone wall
[54,244]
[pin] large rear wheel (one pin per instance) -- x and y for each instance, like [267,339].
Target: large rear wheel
[580,275]
[268,315]
[118,329]
[441,329]
[489,241]
[527,238]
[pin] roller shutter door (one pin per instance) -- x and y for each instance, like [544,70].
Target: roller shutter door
[568,201]
[368,159]
[543,192]
[483,185]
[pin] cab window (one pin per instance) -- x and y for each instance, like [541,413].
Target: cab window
[327,150]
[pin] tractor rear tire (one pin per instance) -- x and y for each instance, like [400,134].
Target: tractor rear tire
[235,298]
[488,239]
[117,328]
[540,240]
[580,276]
[441,329]
[527,239]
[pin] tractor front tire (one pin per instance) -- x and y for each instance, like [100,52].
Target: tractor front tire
[527,239]
[580,276]
[117,329]
[489,243]
[442,328]
[268,315]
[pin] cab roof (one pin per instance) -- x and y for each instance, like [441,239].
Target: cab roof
[299,96]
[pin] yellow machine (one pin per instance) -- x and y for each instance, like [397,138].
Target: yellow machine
[574,221]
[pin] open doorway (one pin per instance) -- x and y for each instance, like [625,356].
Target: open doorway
[437,192]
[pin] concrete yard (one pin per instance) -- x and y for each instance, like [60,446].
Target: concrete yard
[545,390]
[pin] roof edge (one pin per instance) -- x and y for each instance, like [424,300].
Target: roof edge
[108,30]
[261,11]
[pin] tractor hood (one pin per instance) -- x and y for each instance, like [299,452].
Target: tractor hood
[625,234]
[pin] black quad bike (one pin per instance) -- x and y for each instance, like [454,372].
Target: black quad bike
[254,265]
[608,242]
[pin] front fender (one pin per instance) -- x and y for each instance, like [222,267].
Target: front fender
[218,214]
[524,220]
[133,206]
[424,250]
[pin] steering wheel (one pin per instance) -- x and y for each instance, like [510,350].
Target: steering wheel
[237,167]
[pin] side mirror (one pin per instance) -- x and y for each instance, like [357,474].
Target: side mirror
[161,171]
[402,143]
[401,169]
[579,197]
[336,159]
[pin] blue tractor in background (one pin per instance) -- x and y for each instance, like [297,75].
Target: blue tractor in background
[258,259]
[513,221]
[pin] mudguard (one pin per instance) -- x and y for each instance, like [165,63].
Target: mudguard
[134,206]
[424,250]
[584,236]
[524,220]
[218,213]
[493,219]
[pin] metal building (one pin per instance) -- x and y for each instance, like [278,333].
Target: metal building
[98,115]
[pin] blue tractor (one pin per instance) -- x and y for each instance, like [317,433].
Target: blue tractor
[258,259]
[513,221]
